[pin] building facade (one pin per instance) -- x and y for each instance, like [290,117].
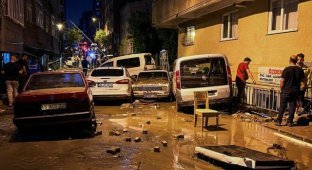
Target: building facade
[29,27]
[268,31]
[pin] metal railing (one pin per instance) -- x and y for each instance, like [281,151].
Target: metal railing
[266,97]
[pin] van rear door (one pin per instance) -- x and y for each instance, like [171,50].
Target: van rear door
[149,62]
[207,74]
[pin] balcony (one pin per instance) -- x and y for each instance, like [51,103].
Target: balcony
[170,13]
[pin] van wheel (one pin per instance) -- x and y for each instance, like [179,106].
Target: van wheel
[178,107]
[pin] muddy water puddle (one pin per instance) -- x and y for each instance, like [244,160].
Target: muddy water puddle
[162,123]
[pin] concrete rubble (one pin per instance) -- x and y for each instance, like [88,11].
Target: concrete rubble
[113,150]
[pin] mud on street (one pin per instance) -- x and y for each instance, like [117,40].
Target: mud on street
[72,150]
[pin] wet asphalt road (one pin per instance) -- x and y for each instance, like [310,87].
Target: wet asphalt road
[76,149]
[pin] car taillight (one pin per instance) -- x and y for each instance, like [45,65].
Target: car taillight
[229,75]
[178,82]
[124,81]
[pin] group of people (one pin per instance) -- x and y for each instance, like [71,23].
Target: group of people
[15,73]
[294,81]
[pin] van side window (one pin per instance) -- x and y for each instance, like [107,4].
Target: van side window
[149,60]
[129,63]
[109,64]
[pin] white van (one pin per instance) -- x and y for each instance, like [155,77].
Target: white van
[207,72]
[134,63]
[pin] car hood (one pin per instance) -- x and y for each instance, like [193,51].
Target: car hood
[151,81]
[55,94]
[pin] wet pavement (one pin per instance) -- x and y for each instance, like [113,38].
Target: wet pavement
[72,149]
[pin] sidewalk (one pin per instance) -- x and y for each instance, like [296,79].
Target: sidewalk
[303,133]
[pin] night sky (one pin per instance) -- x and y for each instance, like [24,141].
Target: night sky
[74,9]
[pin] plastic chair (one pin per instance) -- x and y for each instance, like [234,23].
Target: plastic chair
[199,98]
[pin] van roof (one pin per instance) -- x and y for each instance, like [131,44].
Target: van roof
[200,56]
[127,56]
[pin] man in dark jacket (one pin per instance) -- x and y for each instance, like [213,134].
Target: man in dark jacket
[12,70]
[85,65]
[291,78]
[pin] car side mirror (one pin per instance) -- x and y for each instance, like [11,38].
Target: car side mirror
[91,83]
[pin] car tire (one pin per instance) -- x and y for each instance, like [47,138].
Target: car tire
[178,107]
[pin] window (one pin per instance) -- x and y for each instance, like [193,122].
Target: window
[53,27]
[203,72]
[40,16]
[283,16]
[129,63]
[47,24]
[29,11]
[109,64]
[107,72]
[16,10]
[229,26]
[149,60]
[189,36]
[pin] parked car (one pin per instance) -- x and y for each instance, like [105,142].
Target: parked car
[111,83]
[207,72]
[133,62]
[154,84]
[55,98]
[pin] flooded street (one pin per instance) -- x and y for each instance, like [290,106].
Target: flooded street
[72,150]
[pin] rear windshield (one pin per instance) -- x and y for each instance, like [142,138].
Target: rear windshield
[153,75]
[203,73]
[149,59]
[47,81]
[107,72]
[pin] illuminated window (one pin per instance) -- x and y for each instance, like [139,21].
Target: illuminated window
[189,36]
[229,26]
[283,16]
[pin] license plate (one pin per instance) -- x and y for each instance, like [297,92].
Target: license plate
[150,95]
[105,85]
[54,106]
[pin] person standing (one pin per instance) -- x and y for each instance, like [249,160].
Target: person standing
[12,71]
[85,65]
[242,74]
[24,75]
[291,78]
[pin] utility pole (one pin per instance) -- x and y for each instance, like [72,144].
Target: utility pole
[3,9]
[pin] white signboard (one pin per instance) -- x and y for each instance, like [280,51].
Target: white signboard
[270,74]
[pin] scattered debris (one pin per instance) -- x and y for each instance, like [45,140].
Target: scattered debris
[145,131]
[128,139]
[148,122]
[158,117]
[302,120]
[137,139]
[164,143]
[117,133]
[98,133]
[113,150]
[133,114]
[187,120]
[125,130]
[179,136]
[126,106]
[156,149]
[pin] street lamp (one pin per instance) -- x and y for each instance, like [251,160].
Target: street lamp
[95,19]
[60,27]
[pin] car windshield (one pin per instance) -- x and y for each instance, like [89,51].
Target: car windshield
[153,75]
[107,72]
[47,81]
[203,72]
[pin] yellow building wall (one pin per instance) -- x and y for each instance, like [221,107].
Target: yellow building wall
[265,50]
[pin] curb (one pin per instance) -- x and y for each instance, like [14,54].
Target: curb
[289,134]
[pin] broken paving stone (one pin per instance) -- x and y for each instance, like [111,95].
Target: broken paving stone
[145,131]
[180,136]
[128,139]
[113,150]
[137,139]
[125,130]
[156,149]
[148,122]
[164,143]
[117,133]
[98,133]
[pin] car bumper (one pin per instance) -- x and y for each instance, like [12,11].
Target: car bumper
[112,97]
[155,95]
[57,119]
